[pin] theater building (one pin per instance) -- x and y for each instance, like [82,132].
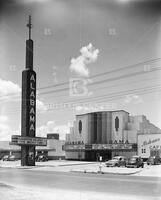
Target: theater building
[105,134]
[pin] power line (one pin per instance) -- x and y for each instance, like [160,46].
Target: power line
[104,81]
[97,75]
[108,72]
[106,97]
[111,86]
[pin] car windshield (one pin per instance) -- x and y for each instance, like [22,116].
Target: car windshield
[115,158]
[133,159]
[151,158]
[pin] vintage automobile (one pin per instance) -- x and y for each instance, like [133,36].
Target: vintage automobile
[154,160]
[135,161]
[41,158]
[9,158]
[5,158]
[116,161]
[12,158]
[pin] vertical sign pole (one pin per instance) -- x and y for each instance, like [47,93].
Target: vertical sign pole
[28,112]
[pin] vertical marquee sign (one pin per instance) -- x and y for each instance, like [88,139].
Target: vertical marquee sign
[32,114]
[28,139]
[28,115]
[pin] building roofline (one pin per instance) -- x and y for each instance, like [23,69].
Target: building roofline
[149,133]
[111,111]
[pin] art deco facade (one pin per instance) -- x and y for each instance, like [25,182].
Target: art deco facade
[107,134]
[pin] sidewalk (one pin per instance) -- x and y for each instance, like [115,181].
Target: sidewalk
[85,167]
[153,170]
[50,163]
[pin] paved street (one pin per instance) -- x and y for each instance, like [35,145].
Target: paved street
[67,184]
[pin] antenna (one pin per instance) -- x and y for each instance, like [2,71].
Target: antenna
[29,25]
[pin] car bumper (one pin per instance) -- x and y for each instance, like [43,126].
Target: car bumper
[131,166]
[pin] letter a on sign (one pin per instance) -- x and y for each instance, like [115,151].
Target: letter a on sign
[32,78]
[32,111]
[32,127]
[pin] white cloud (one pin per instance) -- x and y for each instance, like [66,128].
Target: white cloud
[62,130]
[42,131]
[51,127]
[10,91]
[3,118]
[132,98]
[8,88]
[88,55]
[40,106]
[5,130]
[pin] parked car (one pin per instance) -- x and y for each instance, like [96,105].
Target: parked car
[154,160]
[116,161]
[9,158]
[42,158]
[12,158]
[135,161]
[5,158]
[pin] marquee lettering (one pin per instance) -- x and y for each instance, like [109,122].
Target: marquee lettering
[32,127]
[32,118]
[32,86]
[32,102]
[32,94]
[32,78]
[32,111]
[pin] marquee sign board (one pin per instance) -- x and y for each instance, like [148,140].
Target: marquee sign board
[35,141]
[112,146]
[32,141]
[100,146]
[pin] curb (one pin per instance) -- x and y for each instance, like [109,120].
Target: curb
[20,167]
[36,166]
[113,173]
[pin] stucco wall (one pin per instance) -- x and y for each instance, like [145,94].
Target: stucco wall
[57,145]
[147,141]
[83,136]
[74,155]
[123,121]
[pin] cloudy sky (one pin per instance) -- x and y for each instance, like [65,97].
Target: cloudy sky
[89,55]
